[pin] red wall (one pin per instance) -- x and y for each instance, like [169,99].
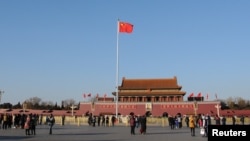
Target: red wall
[139,108]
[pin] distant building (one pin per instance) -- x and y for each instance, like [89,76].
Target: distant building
[140,96]
[150,90]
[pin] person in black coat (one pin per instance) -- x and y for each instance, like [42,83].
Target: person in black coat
[33,124]
[143,123]
[233,120]
[171,121]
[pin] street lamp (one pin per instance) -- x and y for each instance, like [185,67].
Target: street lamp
[24,106]
[195,108]
[1,93]
[218,109]
[72,108]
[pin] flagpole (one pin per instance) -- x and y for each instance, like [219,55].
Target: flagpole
[117,68]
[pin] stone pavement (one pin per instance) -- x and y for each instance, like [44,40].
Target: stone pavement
[89,133]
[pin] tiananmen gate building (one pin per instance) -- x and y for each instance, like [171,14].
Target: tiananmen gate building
[155,96]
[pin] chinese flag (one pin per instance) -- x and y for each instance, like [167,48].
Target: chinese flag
[125,27]
[199,95]
[84,95]
[191,95]
[89,95]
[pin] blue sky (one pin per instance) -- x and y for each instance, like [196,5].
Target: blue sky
[60,49]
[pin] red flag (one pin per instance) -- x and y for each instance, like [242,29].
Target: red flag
[89,95]
[199,95]
[191,95]
[207,96]
[125,27]
[84,95]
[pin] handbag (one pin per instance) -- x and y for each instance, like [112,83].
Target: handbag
[202,131]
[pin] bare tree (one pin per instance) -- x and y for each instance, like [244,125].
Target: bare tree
[248,104]
[47,104]
[230,102]
[68,103]
[34,100]
[241,103]
[236,103]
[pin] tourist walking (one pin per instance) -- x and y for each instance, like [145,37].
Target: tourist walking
[187,120]
[98,120]
[223,120]
[51,122]
[27,125]
[107,120]
[205,125]
[132,124]
[33,123]
[113,119]
[242,120]
[5,121]
[217,120]
[233,120]
[93,121]
[63,119]
[103,120]
[192,125]
[143,122]
[171,121]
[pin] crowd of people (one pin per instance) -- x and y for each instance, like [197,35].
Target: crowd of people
[30,121]
[137,122]
[202,121]
[134,121]
[102,120]
[18,120]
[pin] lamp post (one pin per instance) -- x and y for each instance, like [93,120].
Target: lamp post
[72,108]
[1,93]
[195,108]
[24,107]
[218,109]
